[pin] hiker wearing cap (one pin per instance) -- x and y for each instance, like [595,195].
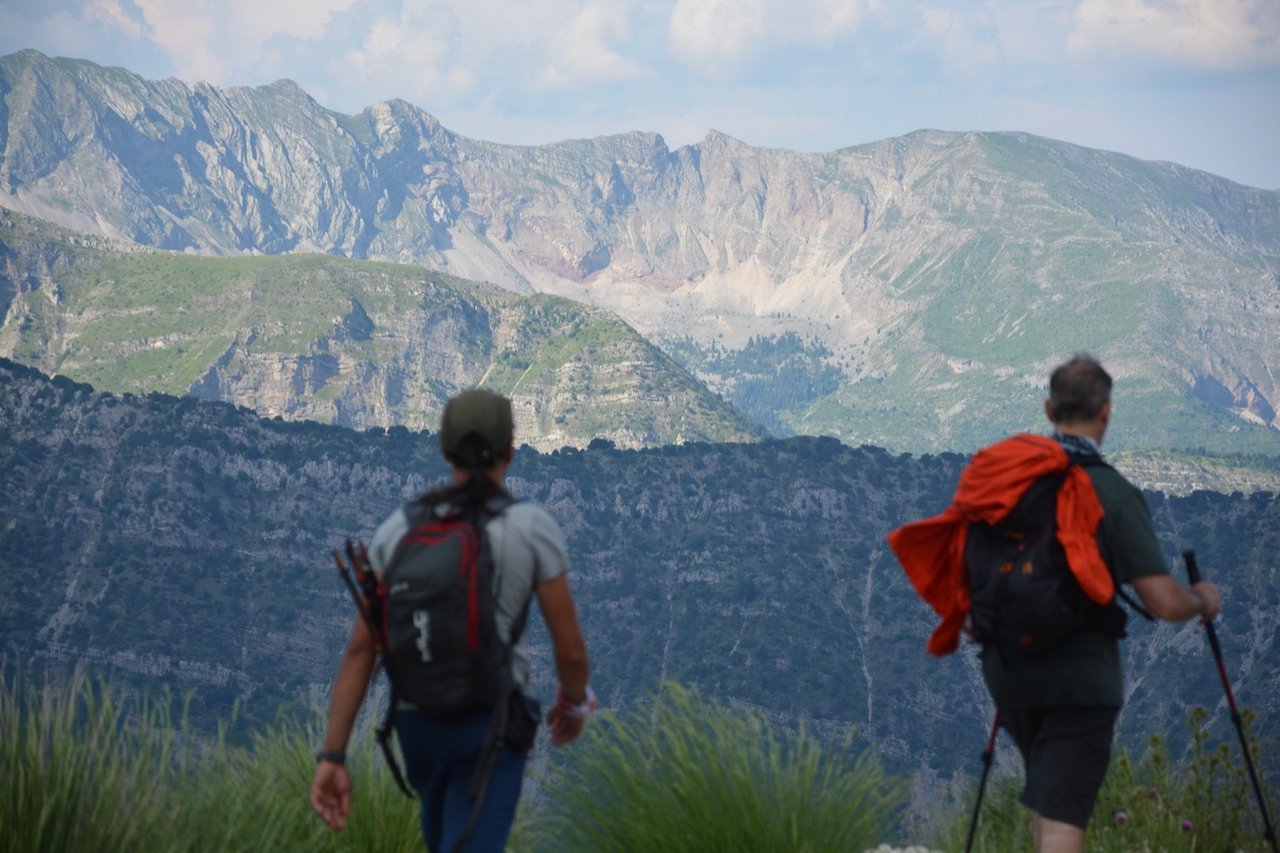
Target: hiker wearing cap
[442,753]
[1059,702]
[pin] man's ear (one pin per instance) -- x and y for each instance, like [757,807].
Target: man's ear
[508,454]
[1105,414]
[1048,412]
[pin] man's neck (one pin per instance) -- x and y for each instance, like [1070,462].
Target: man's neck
[1080,442]
[496,474]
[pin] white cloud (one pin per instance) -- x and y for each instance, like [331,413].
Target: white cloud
[301,19]
[582,51]
[1217,34]
[186,32]
[717,36]
[410,53]
[208,39]
[112,13]
[962,40]
[1032,32]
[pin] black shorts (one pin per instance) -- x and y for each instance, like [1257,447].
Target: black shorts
[1065,752]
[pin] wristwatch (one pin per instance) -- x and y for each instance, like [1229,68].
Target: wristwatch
[339,758]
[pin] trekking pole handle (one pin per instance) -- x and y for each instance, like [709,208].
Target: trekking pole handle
[1193,569]
[1193,575]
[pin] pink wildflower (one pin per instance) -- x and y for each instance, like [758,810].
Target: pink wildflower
[1122,817]
[1187,826]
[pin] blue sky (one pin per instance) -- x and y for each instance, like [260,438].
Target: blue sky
[1192,81]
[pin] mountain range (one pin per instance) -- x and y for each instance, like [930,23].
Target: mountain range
[911,293]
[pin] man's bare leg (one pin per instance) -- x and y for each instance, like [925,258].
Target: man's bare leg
[1054,836]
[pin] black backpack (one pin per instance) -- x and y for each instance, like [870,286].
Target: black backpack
[1024,598]
[441,648]
[443,652]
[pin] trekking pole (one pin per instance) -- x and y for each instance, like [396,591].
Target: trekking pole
[982,783]
[365,601]
[343,572]
[1193,574]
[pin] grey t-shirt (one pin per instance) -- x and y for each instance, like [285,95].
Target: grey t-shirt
[528,550]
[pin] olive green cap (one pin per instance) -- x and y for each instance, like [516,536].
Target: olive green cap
[483,414]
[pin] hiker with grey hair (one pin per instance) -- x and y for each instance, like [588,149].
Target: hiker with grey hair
[443,751]
[1055,674]
[1061,709]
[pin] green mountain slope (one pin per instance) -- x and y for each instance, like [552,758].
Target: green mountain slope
[355,343]
[1031,249]
[185,543]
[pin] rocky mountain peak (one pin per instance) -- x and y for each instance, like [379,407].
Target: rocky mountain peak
[894,261]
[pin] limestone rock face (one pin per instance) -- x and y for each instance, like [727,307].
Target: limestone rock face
[941,274]
[755,572]
[352,343]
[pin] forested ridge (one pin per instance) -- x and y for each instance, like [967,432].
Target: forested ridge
[170,541]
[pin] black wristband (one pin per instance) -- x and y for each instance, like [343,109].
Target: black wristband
[339,758]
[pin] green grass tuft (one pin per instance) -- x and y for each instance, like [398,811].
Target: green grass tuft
[1150,804]
[688,774]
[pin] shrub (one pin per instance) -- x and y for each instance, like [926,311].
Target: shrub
[688,774]
[1203,803]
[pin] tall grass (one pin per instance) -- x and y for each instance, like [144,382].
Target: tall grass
[84,770]
[1148,804]
[258,798]
[77,774]
[690,775]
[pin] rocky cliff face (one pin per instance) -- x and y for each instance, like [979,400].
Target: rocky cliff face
[941,273]
[185,543]
[357,344]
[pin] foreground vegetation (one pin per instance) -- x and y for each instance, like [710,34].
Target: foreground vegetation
[86,770]
[688,775]
[1149,803]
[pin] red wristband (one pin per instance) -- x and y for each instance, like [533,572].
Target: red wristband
[576,710]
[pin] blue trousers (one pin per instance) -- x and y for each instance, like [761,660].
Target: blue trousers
[440,759]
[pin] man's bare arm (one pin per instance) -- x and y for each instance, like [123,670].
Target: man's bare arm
[1173,602]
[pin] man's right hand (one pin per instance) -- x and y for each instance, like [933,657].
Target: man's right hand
[1212,600]
[566,717]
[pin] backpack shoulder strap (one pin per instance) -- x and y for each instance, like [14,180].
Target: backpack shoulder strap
[492,508]
[418,512]
[1093,460]
[498,504]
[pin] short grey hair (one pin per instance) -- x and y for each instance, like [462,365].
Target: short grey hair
[1078,390]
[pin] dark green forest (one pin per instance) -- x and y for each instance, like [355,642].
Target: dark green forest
[172,543]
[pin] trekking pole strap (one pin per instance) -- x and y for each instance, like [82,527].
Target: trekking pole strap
[384,741]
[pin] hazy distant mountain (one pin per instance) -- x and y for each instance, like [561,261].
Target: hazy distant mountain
[912,292]
[164,541]
[359,344]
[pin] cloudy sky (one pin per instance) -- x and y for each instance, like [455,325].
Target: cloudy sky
[1193,81]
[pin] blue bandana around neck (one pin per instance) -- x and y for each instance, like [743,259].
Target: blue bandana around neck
[1079,444]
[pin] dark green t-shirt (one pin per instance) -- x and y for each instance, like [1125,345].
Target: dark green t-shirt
[1085,669]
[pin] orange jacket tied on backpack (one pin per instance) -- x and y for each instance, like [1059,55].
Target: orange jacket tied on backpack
[932,550]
